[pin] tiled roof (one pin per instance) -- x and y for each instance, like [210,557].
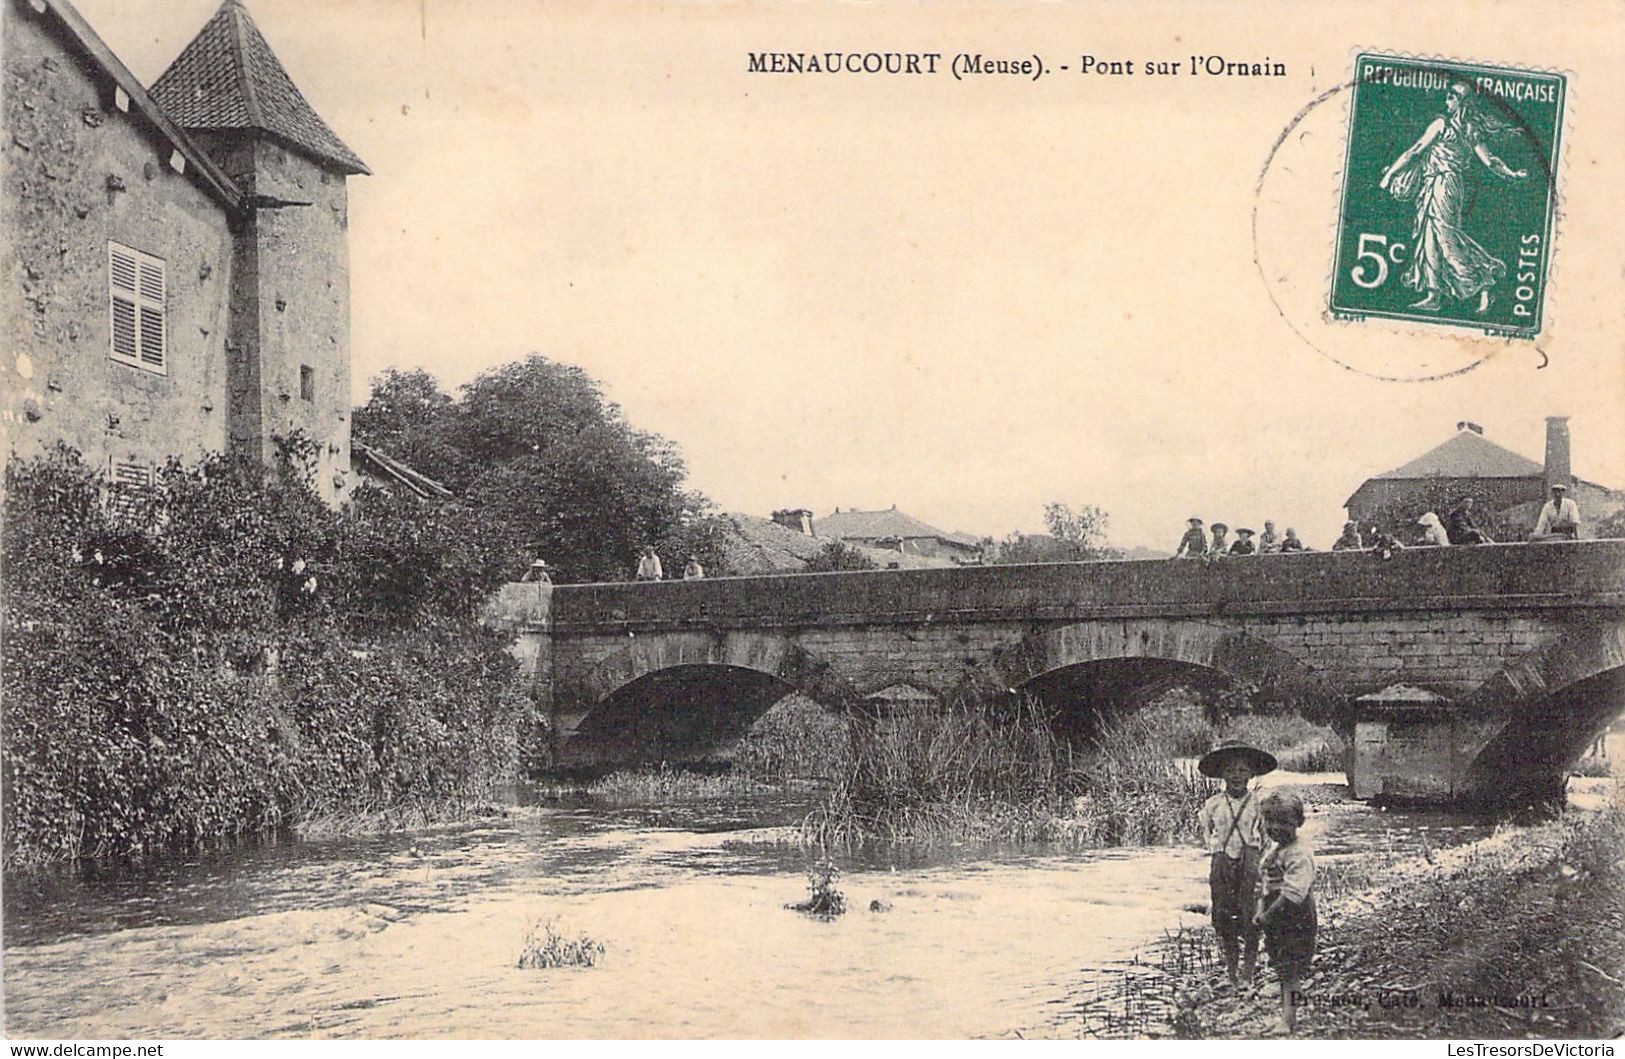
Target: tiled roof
[229,78]
[1468,455]
[760,546]
[873,525]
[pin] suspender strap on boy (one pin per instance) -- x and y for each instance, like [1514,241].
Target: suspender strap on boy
[1235,822]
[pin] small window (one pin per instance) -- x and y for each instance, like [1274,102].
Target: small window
[307,382]
[130,479]
[136,292]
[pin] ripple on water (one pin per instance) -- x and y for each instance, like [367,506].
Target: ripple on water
[419,936]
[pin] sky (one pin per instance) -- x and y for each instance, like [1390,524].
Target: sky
[966,298]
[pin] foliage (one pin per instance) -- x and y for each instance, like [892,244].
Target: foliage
[208,660]
[824,896]
[1612,527]
[1074,536]
[1397,515]
[546,947]
[551,466]
[795,738]
[837,556]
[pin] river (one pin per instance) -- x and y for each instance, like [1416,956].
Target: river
[418,935]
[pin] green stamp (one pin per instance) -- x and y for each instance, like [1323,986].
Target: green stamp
[1449,186]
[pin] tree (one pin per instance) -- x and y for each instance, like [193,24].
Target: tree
[551,466]
[1074,536]
[838,555]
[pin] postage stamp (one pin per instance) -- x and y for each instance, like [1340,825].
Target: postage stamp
[1449,188]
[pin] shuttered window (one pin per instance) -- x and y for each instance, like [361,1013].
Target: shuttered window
[136,295]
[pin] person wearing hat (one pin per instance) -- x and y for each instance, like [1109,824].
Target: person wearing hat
[1559,517]
[1350,540]
[1287,912]
[1193,545]
[1291,542]
[1233,831]
[649,568]
[1220,546]
[1244,542]
[692,570]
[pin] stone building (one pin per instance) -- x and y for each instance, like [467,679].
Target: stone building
[894,530]
[176,265]
[1509,488]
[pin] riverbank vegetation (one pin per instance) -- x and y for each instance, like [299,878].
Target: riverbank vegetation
[221,653]
[1516,935]
[996,771]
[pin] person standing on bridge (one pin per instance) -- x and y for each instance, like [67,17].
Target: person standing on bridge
[1244,543]
[1232,828]
[1291,542]
[692,570]
[1463,526]
[1559,517]
[649,568]
[1268,542]
[1433,532]
[1350,540]
[1221,544]
[1193,545]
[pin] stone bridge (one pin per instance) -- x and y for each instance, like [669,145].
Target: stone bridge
[1521,647]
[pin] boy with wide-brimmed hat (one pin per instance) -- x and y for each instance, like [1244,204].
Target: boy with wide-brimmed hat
[1232,828]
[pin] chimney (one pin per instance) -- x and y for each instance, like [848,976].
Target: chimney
[1474,427]
[795,518]
[1558,471]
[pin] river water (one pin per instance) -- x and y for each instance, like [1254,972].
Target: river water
[419,935]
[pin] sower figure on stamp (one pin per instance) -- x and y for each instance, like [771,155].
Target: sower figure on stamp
[1233,830]
[1444,258]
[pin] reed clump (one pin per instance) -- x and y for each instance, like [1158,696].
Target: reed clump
[996,771]
[824,896]
[545,946]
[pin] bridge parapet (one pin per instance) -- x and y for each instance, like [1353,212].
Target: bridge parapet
[1551,576]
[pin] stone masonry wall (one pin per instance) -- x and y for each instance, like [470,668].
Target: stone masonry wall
[66,148]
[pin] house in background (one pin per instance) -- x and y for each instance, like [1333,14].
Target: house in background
[176,266]
[890,530]
[1508,488]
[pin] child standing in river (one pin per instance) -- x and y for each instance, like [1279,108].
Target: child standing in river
[1287,912]
[1233,831]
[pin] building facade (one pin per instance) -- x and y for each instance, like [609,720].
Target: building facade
[176,258]
[1507,487]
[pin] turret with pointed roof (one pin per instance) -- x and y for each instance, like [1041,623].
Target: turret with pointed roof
[288,349]
[228,78]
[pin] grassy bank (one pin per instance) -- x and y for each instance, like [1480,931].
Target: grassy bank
[1518,935]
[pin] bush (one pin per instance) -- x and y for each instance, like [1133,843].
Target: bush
[180,668]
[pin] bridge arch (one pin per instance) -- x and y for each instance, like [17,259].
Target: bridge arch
[1554,701]
[682,694]
[1142,654]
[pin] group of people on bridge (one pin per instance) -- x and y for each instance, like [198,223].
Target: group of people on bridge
[1195,544]
[1559,520]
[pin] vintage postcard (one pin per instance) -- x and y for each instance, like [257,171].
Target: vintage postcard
[819,520]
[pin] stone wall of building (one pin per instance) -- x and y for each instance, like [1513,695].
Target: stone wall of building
[290,344]
[79,173]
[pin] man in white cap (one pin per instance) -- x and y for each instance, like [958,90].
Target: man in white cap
[1559,517]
